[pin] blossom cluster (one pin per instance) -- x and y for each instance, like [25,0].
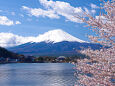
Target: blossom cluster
[99,68]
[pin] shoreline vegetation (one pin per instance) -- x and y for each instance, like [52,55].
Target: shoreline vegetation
[10,57]
[41,59]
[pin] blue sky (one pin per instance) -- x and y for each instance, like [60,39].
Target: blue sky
[23,17]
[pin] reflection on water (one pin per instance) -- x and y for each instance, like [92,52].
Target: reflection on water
[41,74]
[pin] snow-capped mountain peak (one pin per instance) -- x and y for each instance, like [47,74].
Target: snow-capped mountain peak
[57,35]
[53,36]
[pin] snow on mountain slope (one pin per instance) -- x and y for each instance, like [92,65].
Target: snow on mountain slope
[54,36]
[57,35]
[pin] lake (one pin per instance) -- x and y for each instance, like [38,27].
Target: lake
[37,74]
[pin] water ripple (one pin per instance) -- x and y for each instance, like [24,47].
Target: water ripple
[41,74]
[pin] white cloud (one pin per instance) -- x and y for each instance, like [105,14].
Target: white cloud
[63,9]
[94,6]
[18,22]
[5,21]
[40,12]
[56,9]
[10,39]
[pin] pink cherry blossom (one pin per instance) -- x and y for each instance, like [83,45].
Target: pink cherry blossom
[101,63]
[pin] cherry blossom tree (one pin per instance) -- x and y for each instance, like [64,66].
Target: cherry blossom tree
[99,68]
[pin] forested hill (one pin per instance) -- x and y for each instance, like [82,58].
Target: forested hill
[7,54]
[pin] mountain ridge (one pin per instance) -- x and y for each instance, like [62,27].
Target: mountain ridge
[65,48]
[54,42]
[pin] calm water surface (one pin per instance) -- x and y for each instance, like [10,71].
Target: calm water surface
[39,74]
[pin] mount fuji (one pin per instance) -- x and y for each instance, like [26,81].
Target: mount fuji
[53,43]
[55,36]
